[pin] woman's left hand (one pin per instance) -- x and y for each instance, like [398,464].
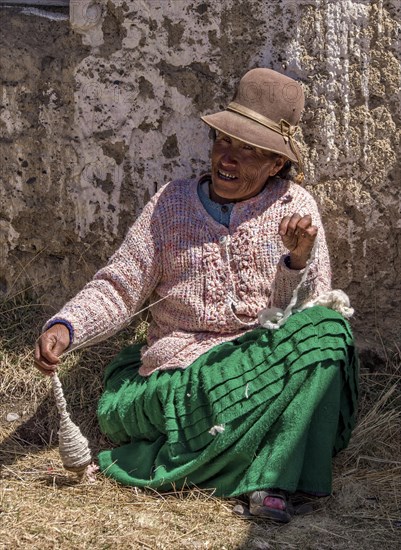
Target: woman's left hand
[298,236]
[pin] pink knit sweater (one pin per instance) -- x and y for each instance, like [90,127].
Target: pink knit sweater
[212,280]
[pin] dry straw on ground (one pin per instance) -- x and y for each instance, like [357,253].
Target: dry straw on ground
[42,506]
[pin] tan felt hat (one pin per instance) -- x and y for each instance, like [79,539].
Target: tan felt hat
[264,113]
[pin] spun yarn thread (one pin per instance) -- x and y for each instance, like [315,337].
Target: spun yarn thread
[73,446]
[274,318]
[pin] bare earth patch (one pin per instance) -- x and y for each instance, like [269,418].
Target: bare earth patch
[44,507]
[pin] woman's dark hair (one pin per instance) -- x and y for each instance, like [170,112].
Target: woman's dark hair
[212,134]
[284,173]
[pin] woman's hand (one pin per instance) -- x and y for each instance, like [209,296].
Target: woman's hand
[49,347]
[298,236]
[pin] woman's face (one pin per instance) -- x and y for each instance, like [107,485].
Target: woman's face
[240,171]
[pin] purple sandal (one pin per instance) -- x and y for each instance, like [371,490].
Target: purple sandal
[260,505]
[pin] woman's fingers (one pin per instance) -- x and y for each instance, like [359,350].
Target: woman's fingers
[288,225]
[49,347]
[297,225]
[305,229]
[307,233]
[45,360]
[43,366]
[298,236]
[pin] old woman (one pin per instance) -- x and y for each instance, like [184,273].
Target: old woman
[213,399]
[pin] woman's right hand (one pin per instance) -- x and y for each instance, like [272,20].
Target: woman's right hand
[49,347]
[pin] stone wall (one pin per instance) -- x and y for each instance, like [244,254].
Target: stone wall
[99,111]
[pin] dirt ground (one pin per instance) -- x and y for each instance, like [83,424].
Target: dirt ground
[43,506]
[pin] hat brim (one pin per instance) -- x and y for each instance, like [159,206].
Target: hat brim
[253,133]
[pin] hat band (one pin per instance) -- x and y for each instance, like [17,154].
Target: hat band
[284,128]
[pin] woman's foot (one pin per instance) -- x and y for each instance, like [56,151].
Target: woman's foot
[272,504]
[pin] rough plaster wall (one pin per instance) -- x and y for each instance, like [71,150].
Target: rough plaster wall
[119,116]
[39,153]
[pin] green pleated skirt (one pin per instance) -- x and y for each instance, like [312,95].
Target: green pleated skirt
[268,409]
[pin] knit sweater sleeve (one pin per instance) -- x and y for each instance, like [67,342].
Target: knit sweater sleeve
[318,279]
[118,290]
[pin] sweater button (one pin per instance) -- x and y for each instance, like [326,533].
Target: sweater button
[223,239]
[224,208]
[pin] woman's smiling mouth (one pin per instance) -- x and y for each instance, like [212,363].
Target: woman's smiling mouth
[226,176]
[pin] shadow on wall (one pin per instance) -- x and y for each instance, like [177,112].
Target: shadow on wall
[38,157]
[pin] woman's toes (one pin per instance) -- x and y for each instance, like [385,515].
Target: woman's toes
[275,503]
